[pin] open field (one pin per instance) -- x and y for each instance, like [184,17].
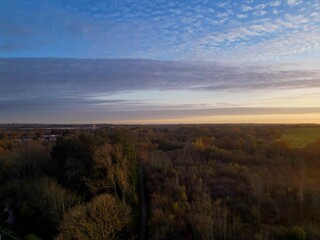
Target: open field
[301,136]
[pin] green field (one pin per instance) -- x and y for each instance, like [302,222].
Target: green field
[301,136]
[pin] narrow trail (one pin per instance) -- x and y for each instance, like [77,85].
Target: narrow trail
[143,221]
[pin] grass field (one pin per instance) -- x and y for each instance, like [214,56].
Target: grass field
[301,136]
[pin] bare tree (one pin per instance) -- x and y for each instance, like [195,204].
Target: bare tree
[208,218]
[102,218]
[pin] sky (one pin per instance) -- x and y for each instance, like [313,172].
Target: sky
[161,61]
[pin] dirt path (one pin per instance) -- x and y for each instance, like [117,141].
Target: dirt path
[143,223]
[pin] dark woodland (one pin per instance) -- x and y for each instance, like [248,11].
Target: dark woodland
[158,182]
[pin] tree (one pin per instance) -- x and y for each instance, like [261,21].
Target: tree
[297,233]
[29,160]
[54,201]
[208,218]
[111,171]
[37,204]
[103,177]
[103,218]
[72,161]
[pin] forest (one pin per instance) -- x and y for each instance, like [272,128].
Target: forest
[222,182]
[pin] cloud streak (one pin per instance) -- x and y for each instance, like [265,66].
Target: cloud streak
[52,87]
[65,77]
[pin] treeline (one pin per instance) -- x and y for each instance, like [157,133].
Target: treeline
[81,187]
[217,182]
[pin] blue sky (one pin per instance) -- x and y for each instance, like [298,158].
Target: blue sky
[166,30]
[182,61]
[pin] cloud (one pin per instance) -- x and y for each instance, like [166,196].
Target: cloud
[242,16]
[292,44]
[296,19]
[166,30]
[293,2]
[222,15]
[246,8]
[260,40]
[246,32]
[260,13]
[275,11]
[275,3]
[72,89]
[230,32]
[261,6]
[28,78]
[223,4]
[169,30]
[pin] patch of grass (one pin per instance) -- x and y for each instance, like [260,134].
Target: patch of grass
[301,136]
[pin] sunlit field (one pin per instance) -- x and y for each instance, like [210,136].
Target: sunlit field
[301,136]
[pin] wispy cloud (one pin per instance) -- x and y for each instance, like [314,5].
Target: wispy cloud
[275,3]
[261,6]
[260,13]
[293,2]
[259,28]
[242,15]
[223,4]
[158,30]
[246,8]
[288,45]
